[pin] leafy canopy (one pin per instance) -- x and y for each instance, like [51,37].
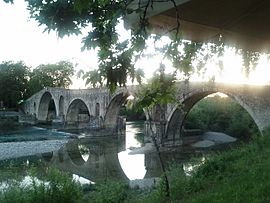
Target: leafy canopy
[13,82]
[117,56]
[50,75]
[158,92]
[18,82]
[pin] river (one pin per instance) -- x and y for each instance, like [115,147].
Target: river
[127,157]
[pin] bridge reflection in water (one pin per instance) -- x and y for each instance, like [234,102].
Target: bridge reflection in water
[113,158]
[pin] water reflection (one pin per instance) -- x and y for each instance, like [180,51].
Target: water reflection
[133,165]
[96,159]
[118,157]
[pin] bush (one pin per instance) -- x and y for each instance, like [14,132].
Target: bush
[59,188]
[109,192]
[7,124]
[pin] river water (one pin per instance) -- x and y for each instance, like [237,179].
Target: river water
[126,157]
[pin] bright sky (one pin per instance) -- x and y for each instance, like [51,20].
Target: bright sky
[22,39]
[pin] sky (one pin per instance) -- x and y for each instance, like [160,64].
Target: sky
[22,39]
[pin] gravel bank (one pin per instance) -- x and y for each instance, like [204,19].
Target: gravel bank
[20,149]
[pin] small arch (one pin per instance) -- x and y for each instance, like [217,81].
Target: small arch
[77,112]
[111,116]
[47,108]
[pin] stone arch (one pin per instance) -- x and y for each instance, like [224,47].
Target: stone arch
[178,115]
[77,112]
[111,116]
[61,106]
[47,109]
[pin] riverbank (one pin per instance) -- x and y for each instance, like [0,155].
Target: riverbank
[239,175]
[20,149]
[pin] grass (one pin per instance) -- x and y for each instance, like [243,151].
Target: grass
[239,175]
[56,188]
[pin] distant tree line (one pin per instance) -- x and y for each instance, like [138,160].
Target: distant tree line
[132,114]
[18,81]
[221,114]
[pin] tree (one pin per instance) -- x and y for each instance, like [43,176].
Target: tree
[92,78]
[221,115]
[50,75]
[13,82]
[156,94]
[117,57]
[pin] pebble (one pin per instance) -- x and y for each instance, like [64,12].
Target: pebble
[9,150]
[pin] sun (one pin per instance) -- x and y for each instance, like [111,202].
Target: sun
[233,71]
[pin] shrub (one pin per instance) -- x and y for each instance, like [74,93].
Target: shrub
[60,188]
[7,124]
[109,192]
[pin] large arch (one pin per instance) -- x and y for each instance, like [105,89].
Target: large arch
[111,116]
[178,115]
[47,108]
[77,112]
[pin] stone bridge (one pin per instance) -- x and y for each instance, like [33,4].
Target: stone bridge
[98,108]
[254,99]
[93,108]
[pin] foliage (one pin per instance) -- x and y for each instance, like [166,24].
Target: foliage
[132,113]
[51,75]
[13,82]
[92,78]
[117,56]
[222,115]
[223,177]
[159,91]
[20,82]
[59,188]
[250,60]
[109,192]
[7,124]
